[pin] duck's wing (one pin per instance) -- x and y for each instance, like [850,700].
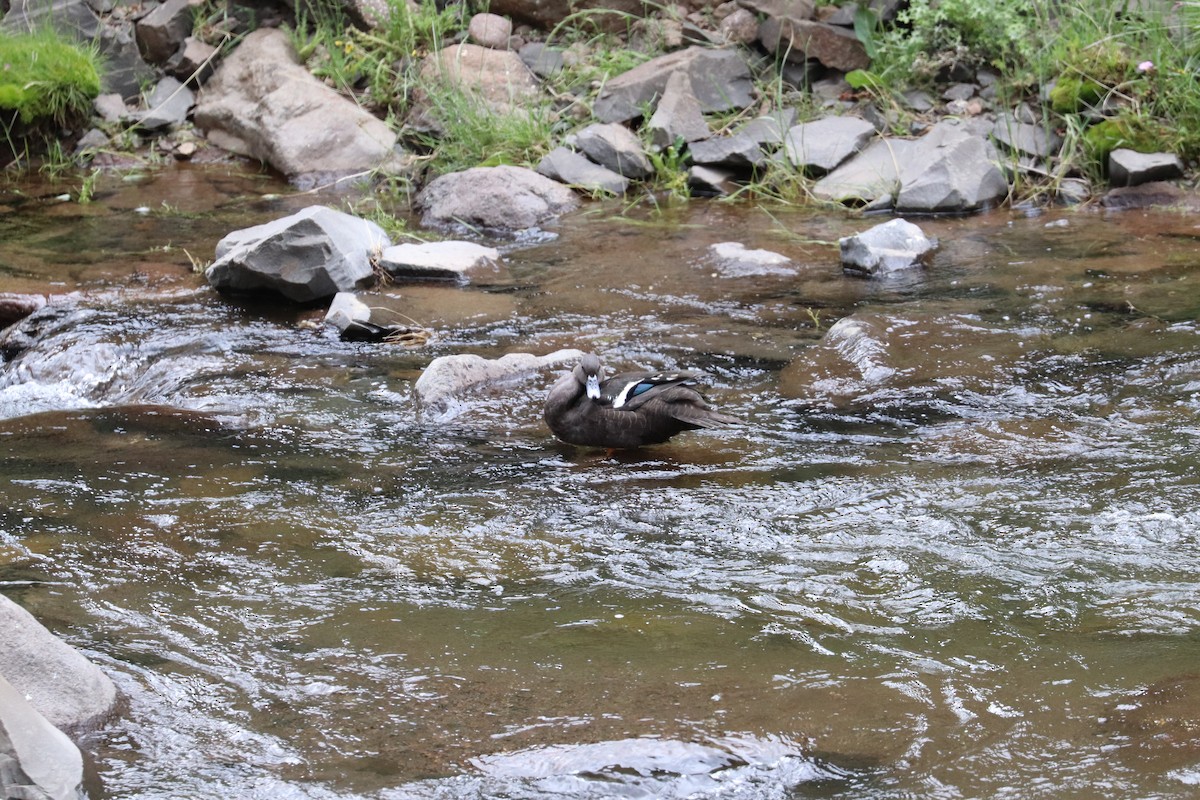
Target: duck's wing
[631,389]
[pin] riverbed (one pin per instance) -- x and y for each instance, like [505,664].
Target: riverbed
[971,575]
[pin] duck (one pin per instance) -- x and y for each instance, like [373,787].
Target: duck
[628,410]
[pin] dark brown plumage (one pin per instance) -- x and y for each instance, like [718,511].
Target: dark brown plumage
[628,410]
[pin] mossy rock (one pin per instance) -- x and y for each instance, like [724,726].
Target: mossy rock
[45,79]
[1135,133]
[1072,93]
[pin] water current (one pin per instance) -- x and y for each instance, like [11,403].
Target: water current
[960,562]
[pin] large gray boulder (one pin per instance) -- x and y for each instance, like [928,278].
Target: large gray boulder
[950,169]
[721,80]
[310,255]
[57,680]
[497,198]
[264,104]
[449,377]
[37,760]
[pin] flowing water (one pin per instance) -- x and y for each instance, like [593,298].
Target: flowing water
[960,562]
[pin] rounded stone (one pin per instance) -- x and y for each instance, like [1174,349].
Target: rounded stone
[490,30]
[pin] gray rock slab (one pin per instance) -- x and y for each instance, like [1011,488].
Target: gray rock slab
[446,260]
[57,680]
[1025,137]
[735,260]
[566,166]
[800,40]
[450,377]
[950,169]
[869,178]
[712,180]
[307,256]
[890,246]
[771,128]
[678,114]
[167,105]
[737,151]
[543,61]
[500,198]
[1130,168]
[615,147]
[37,760]
[721,80]
[262,103]
[822,145]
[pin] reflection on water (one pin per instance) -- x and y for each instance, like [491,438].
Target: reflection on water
[974,578]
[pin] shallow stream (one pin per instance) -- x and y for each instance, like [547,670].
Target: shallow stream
[973,573]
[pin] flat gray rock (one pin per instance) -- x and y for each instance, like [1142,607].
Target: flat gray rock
[735,260]
[566,166]
[312,254]
[167,105]
[447,260]
[1027,138]
[1131,168]
[737,151]
[37,760]
[721,80]
[868,178]
[823,145]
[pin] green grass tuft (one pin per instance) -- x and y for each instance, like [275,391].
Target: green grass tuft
[47,79]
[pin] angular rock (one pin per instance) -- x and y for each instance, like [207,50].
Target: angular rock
[543,61]
[712,181]
[193,63]
[167,105]
[347,310]
[770,128]
[614,146]
[37,760]
[737,151]
[161,32]
[262,103]
[490,30]
[448,377]
[497,77]
[312,254]
[512,198]
[448,260]
[799,40]
[870,178]
[65,688]
[111,107]
[678,114]
[720,79]
[740,27]
[566,166]
[1131,168]
[950,169]
[1027,138]
[821,146]
[894,245]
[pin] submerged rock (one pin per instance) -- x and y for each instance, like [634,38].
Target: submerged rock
[498,198]
[892,246]
[449,376]
[307,256]
[734,260]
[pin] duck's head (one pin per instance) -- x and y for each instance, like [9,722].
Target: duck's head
[589,371]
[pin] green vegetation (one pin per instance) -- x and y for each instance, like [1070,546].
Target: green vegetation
[46,83]
[1109,74]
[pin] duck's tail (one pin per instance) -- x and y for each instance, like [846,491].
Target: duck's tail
[701,417]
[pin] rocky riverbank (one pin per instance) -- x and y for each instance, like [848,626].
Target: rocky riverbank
[699,113]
